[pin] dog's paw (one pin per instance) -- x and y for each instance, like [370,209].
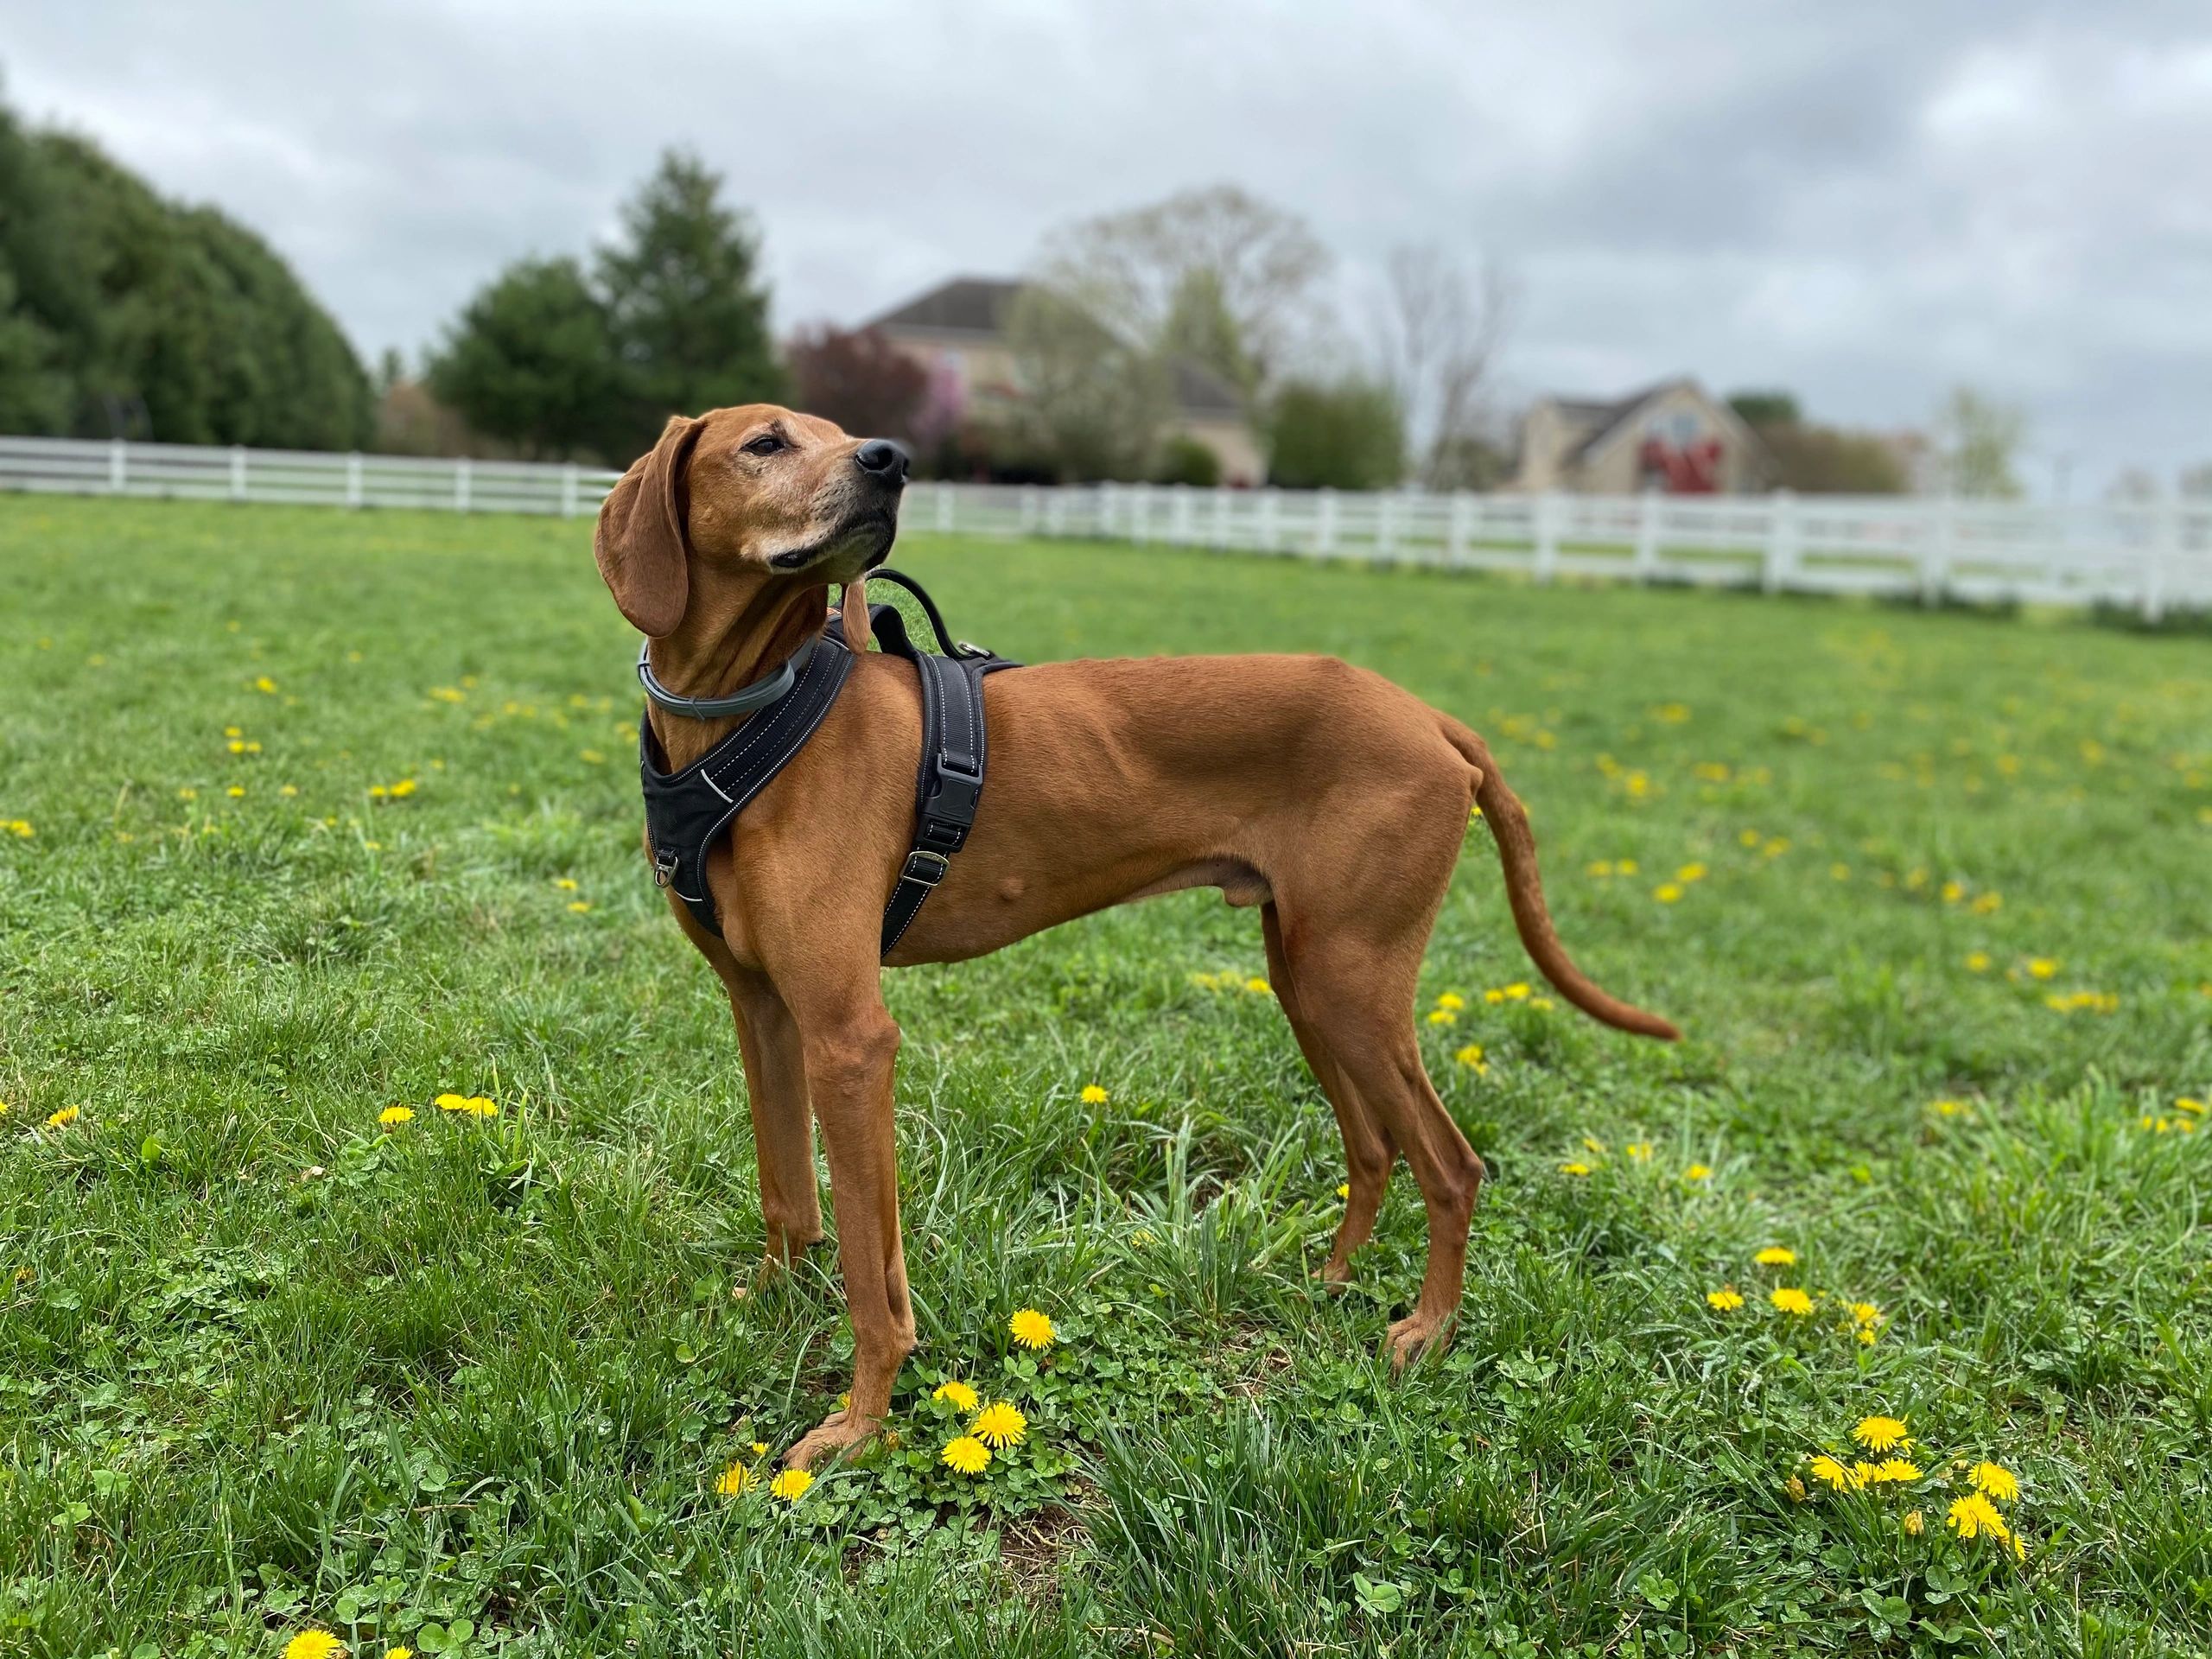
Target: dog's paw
[841,1431]
[1334,1273]
[1419,1333]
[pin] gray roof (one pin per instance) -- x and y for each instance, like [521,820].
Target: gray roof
[968,305]
[978,306]
[1603,416]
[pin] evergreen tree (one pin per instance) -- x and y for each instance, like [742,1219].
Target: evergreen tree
[531,360]
[689,314]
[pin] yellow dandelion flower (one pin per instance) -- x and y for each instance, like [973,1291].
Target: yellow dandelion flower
[1974,1514]
[1916,1523]
[1668,893]
[1628,866]
[263,683]
[1790,1300]
[1639,1150]
[1776,1256]
[392,1116]
[1442,1017]
[735,1479]
[1471,1058]
[64,1118]
[1032,1329]
[790,1486]
[1978,962]
[578,906]
[1452,1000]
[1895,1471]
[1881,1433]
[1868,1335]
[1093,1095]
[399,1653]
[1832,1474]
[403,788]
[2041,968]
[1690,873]
[1865,1313]
[470,1105]
[955,1394]
[566,883]
[1517,991]
[1257,986]
[2185,1103]
[1697,1173]
[313,1644]
[1343,1189]
[1992,1480]
[1574,1169]
[1000,1425]
[966,1456]
[1726,1299]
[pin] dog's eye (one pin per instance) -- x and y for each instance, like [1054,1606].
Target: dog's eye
[767,444]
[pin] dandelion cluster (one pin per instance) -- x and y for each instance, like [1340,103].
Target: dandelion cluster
[468,1105]
[1971,1514]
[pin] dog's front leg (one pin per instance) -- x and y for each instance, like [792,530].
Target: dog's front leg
[850,1042]
[783,1120]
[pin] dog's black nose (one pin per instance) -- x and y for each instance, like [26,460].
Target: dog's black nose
[879,458]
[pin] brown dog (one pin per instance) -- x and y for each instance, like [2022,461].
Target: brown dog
[1319,792]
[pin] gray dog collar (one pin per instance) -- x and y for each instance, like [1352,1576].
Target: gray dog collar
[758,695]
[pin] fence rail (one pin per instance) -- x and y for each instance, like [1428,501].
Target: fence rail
[2152,557]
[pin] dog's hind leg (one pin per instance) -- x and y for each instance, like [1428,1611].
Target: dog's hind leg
[783,1120]
[1368,1151]
[1359,1003]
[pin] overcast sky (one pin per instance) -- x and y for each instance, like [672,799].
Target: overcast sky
[1865,203]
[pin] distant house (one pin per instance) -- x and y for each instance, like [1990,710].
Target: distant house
[1673,437]
[957,332]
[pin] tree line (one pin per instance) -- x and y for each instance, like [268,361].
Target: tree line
[125,316]
[122,313]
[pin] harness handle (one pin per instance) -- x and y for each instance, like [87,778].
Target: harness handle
[947,645]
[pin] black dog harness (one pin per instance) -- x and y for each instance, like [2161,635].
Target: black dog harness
[687,811]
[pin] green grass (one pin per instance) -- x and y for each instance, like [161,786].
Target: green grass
[469,1384]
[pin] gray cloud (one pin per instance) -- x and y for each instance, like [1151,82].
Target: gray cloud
[1865,204]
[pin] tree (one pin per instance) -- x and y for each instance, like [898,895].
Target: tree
[1093,402]
[124,314]
[1441,328]
[531,360]
[1760,410]
[859,379]
[1349,434]
[1215,275]
[1980,439]
[688,312]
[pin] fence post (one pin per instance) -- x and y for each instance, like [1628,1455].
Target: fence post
[237,472]
[1140,514]
[1646,535]
[1386,525]
[1270,504]
[2165,553]
[460,483]
[569,490]
[1780,540]
[1220,517]
[1455,545]
[1027,521]
[1324,540]
[117,468]
[1935,557]
[354,478]
[1547,536]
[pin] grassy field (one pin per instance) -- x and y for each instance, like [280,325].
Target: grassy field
[310,816]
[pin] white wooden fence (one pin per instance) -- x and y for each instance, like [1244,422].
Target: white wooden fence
[2152,557]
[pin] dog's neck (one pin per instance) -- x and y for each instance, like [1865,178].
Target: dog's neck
[728,641]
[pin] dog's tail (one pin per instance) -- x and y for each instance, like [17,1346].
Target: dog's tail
[1524,891]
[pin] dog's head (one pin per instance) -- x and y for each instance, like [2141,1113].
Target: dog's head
[758,491]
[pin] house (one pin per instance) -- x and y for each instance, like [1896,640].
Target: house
[957,331]
[1674,437]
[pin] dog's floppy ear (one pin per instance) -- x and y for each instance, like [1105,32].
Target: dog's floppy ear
[642,550]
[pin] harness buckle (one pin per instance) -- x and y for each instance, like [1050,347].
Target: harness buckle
[663,866]
[925,866]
